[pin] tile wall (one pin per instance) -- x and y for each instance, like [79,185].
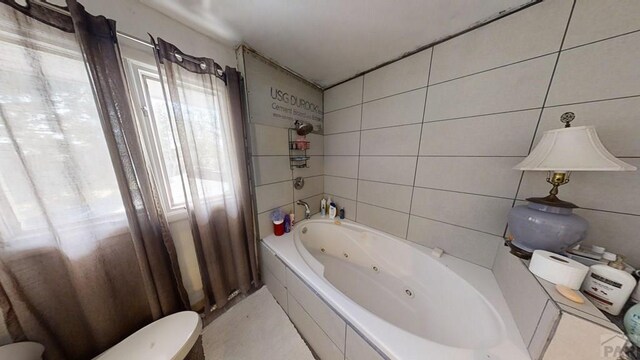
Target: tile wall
[423,148]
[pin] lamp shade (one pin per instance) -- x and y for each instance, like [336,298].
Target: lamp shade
[572,149]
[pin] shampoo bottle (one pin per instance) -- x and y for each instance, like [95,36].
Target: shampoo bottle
[332,209]
[608,287]
[323,207]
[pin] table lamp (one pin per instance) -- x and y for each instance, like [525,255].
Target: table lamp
[548,223]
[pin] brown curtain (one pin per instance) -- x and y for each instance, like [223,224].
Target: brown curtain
[86,257]
[208,130]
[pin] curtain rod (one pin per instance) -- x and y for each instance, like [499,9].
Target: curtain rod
[65,12]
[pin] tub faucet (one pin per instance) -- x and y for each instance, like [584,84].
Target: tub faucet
[307,212]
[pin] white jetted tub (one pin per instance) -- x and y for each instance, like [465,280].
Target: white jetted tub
[405,301]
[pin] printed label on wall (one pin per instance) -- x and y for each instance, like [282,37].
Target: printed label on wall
[278,98]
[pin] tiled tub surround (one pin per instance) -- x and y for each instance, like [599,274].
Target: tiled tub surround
[336,326]
[423,148]
[273,178]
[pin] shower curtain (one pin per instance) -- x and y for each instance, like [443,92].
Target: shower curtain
[86,257]
[207,119]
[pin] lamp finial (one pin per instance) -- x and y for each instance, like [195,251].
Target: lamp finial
[567,118]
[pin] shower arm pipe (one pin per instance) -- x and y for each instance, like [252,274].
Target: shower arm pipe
[65,12]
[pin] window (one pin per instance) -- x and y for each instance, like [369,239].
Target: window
[157,135]
[55,168]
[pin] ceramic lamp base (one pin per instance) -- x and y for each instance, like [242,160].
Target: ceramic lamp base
[539,226]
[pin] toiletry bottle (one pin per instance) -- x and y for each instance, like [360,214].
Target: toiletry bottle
[332,209]
[292,217]
[323,207]
[342,213]
[608,286]
[632,324]
[287,223]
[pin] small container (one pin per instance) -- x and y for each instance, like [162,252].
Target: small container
[278,227]
[323,207]
[342,213]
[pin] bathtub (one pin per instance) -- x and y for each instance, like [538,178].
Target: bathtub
[400,298]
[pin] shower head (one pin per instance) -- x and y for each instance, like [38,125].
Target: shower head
[302,128]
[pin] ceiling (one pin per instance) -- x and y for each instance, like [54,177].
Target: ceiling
[327,41]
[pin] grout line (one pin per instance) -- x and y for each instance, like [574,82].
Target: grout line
[601,40]
[456,225]
[415,170]
[493,68]
[486,114]
[355,215]
[544,101]
[593,101]
[538,323]
[392,95]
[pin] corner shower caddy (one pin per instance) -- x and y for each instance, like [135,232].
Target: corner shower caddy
[298,158]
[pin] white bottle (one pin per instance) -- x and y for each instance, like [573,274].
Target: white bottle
[332,209]
[323,207]
[608,288]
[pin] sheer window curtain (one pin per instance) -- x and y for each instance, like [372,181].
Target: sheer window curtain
[206,105]
[86,258]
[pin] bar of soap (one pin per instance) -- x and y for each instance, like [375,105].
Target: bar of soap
[570,294]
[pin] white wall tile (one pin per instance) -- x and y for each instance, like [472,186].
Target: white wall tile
[315,167]
[606,190]
[603,70]
[506,134]
[544,330]
[594,20]
[277,289]
[617,232]
[358,348]
[312,333]
[312,186]
[399,140]
[342,144]
[348,205]
[616,121]
[526,34]
[577,338]
[345,166]
[483,213]
[478,175]
[274,195]
[401,109]
[407,74]
[395,197]
[343,120]
[522,292]
[515,87]
[343,95]
[269,140]
[317,144]
[323,315]
[392,222]
[391,169]
[272,263]
[342,187]
[474,246]
[271,169]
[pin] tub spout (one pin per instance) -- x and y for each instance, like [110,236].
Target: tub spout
[307,212]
